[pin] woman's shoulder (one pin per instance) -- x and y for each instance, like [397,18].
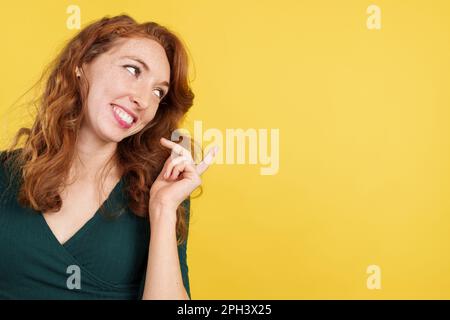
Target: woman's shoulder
[5,154]
[8,158]
[8,164]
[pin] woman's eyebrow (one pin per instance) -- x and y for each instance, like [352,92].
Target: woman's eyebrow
[164,83]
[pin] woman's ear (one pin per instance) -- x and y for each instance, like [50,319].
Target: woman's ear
[77,72]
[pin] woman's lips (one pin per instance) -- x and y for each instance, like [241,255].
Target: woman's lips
[122,122]
[127,111]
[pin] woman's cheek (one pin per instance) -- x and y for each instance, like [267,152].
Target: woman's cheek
[145,122]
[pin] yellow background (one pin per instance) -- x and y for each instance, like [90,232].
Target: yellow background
[364,138]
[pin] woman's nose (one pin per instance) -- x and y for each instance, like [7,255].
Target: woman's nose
[140,102]
[142,94]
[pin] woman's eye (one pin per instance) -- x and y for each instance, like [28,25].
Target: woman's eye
[136,71]
[160,93]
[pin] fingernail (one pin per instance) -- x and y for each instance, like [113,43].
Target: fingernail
[208,159]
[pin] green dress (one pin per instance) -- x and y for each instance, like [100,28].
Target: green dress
[105,259]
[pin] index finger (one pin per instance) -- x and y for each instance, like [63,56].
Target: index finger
[178,149]
[205,163]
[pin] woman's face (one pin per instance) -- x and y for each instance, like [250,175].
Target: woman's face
[126,85]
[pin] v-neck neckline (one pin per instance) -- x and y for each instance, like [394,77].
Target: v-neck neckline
[86,226]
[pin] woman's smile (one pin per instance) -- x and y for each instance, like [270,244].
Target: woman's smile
[123,118]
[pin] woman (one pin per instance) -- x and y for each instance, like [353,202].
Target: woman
[96,203]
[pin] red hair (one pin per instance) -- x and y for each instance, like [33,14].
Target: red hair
[48,151]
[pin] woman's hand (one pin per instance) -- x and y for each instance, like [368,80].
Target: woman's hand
[178,178]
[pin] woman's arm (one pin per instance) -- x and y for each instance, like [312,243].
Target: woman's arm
[179,177]
[163,278]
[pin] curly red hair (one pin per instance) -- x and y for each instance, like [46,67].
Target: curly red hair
[48,151]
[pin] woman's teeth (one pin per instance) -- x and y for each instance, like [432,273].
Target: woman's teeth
[123,115]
